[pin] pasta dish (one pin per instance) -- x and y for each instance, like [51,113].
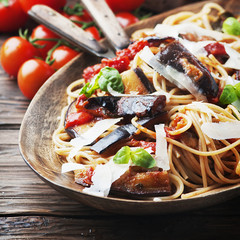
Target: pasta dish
[160,120]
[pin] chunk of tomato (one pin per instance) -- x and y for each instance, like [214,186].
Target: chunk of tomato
[78,118]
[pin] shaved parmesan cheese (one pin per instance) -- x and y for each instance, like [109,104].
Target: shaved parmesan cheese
[161,157]
[147,56]
[197,48]
[178,78]
[236,104]
[68,167]
[92,134]
[186,82]
[101,181]
[234,58]
[231,81]
[104,176]
[163,30]
[223,130]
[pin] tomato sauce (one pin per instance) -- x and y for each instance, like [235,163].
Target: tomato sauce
[133,49]
[120,62]
[143,144]
[88,178]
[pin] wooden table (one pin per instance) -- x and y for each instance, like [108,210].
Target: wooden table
[30,209]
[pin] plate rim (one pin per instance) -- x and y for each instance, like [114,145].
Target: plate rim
[233,189]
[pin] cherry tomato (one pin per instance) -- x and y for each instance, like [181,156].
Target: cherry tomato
[85,17]
[78,118]
[124,5]
[12,17]
[74,18]
[93,32]
[14,52]
[62,55]
[42,32]
[55,4]
[31,76]
[126,18]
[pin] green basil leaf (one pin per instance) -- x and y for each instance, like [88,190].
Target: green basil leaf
[228,95]
[110,76]
[106,77]
[142,158]
[122,156]
[231,26]
[90,88]
[236,104]
[237,89]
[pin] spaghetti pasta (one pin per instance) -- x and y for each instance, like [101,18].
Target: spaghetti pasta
[198,163]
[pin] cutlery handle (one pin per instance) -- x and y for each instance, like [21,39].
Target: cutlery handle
[108,23]
[66,29]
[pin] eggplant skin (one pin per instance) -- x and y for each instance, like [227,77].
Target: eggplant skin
[140,106]
[71,131]
[155,41]
[126,107]
[139,181]
[124,132]
[145,81]
[178,57]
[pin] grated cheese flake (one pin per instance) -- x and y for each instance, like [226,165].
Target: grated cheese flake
[161,157]
[222,130]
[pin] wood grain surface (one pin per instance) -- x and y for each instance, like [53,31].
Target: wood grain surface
[30,209]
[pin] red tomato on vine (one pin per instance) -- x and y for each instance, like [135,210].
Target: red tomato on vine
[12,16]
[93,31]
[126,19]
[62,55]
[44,33]
[85,17]
[31,76]
[124,5]
[14,52]
[55,4]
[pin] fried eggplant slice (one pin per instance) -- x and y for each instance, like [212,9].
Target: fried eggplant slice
[183,63]
[135,84]
[124,132]
[109,106]
[139,181]
[139,106]
[144,80]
